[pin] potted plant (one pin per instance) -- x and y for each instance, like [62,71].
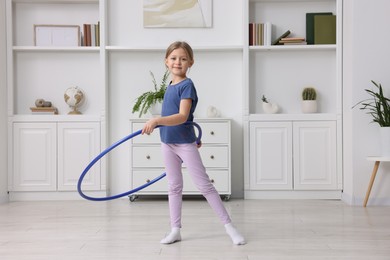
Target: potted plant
[309,100]
[146,101]
[378,106]
[268,107]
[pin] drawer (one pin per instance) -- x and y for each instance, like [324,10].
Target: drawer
[147,156]
[153,138]
[144,176]
[212,133]
[215,133]
[151,156]
[220,180]
[215,157]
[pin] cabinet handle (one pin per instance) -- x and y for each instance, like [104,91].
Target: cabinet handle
[212,180]
[147,180]
[148,157]
[212,132]
[212,157]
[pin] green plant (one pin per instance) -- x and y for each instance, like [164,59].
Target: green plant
[309,94]
[378,106]
[147,99]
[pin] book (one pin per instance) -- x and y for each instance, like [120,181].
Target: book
[310,25]
[44,110]
[325,29]
[284,35]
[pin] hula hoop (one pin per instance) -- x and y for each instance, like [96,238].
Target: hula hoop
[113,146]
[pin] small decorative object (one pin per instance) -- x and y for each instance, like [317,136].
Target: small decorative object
[309,102]
[268,107]
[378,106]
[74,97]
[39,102]
[43,107]
[212,112]
[145,101]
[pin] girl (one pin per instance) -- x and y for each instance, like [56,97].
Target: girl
[178,143]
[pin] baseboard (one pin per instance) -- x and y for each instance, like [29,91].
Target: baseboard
[55,195]
[334,194]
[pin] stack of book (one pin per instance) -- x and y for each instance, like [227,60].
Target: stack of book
[260,34]
[91,35]
[44,110]
[292,41]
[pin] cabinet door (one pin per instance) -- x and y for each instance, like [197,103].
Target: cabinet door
[270,155]
[78,145]
[34,157]
[315,155]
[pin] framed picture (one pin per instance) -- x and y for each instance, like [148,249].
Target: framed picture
[56,35]
[178,13]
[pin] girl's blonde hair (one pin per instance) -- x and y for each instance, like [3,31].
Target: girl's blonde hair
[179,44]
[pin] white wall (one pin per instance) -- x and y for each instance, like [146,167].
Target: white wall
[366,58]
[3,108]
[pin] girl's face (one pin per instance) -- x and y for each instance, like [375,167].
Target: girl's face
[178,63]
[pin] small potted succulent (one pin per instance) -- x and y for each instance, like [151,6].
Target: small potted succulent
[268,107]
[151,101]
[309,100]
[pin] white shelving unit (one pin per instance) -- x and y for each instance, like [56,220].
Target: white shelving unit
[291,154]
[115,73]
[64,142]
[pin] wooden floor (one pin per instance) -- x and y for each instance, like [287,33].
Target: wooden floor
[274,229]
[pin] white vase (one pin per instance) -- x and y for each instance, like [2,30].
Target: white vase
[270,108]
[155,109]
[309,106]
[385,141]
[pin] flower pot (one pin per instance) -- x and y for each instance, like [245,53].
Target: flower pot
[309,106]
[155,109]
[385,141]
[270,108]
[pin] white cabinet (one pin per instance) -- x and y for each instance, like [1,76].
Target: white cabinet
[50,156]
[147,164]
[295,156]
[271,156]
[34,157]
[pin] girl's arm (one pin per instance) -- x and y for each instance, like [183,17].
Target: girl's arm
[176,119]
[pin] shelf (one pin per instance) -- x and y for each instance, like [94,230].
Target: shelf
[55,49]
[158,49]
[55,118]
[57,1]
[293,117]
[293,47]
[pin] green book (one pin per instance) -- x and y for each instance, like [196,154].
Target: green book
[310,26]
[325,29]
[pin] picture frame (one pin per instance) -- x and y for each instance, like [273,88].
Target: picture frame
[56,35]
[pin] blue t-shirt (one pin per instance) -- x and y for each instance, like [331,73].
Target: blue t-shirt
[178,134]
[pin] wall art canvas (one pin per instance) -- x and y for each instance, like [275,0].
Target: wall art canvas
[178,13]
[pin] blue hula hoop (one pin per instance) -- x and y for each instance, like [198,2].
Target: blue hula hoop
[113,146]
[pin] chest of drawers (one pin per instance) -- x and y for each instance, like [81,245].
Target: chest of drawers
[146,161]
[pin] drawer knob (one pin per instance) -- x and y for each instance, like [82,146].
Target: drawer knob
[212,157]
[147,180]
[212,132]
[212,180]
[148,157]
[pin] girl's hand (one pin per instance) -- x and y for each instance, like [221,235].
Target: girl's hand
[149,126]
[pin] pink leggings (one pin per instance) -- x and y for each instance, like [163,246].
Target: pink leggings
[176,154]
